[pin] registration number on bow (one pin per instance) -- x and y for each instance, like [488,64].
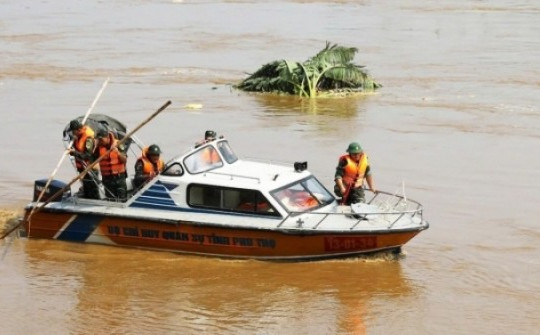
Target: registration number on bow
[349,243]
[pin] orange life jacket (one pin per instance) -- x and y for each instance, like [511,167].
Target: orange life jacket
[149,169]
[354,171]
[305,199]
[111,165]
[80,145]
[300,199]
[210,155]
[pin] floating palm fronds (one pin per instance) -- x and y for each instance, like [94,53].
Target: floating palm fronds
[331,70]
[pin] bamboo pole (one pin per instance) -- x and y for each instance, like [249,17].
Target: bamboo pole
[36,208]
[66,152]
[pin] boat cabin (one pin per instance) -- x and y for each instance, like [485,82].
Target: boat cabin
[210,178]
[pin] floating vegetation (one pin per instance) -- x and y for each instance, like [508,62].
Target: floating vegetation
[330,72]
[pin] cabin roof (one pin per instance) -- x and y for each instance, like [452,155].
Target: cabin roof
[251,174]
[244,173]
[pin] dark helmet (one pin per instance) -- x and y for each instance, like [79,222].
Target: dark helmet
[153,150]
[210,135]
[101,132]
[75,125]
[354,148]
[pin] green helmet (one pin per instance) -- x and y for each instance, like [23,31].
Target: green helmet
[354,148]
[75,125]
[101,132]
[153,150]
[210,135]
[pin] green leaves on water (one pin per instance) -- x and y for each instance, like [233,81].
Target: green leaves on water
[331,70]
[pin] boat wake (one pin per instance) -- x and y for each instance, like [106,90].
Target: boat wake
[8,219]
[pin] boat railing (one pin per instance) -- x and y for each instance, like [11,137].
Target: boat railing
[391,207]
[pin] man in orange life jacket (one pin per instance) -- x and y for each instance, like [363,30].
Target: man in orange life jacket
[82,150]
[209,155]
[148,165]
[351,171]
[209,136]
[113,166]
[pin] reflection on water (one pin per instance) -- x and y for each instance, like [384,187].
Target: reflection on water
[346,107]
[138,291]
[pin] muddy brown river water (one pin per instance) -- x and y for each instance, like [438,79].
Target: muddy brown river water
[457,122]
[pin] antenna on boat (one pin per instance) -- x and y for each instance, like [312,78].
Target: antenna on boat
[403,190]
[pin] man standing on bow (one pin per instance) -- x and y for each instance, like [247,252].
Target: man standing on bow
[209,136]
[82,150]
[353,168]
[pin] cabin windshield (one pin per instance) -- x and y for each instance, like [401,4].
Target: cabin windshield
[226,152]
[303,195]
[202,160]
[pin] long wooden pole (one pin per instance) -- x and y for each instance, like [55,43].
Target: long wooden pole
[88,168]
[66,152]
[95,100]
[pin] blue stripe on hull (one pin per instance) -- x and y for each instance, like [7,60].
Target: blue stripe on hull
[80,228]
[157,201]
[156,194]
[168,186]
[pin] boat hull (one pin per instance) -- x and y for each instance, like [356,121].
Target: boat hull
[211,240]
